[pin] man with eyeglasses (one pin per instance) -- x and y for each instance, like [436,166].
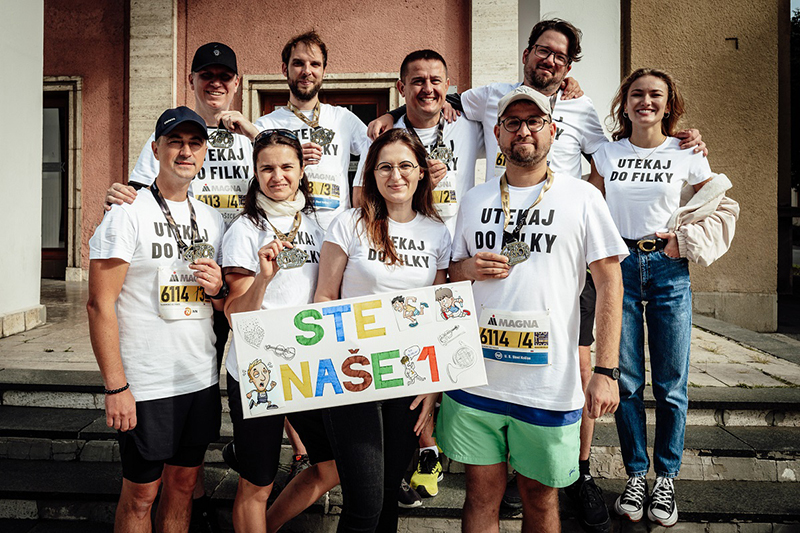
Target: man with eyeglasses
[525,241]
[329,134]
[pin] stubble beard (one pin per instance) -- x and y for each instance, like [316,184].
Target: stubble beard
[304,96]
[540,83]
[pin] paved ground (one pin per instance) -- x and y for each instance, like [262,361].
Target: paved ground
[729,359]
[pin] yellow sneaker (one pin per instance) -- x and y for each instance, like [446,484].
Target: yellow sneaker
[425,479]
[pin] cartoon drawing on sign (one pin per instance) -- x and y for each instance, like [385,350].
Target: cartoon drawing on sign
[450,306]
[447,336]
[407,360]
[282,351]
[259,374]
[403,305]
[252,332]
[463,359]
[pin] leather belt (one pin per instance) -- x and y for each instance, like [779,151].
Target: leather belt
[651,243]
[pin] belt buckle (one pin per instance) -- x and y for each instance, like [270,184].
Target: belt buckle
[647,245]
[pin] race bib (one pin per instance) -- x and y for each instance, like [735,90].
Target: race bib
[444,197]
[180,297]
[325,192]
[516,337]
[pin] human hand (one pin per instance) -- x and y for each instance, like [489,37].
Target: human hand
[570,89]
[208,275]
[437,171]
[312,153]
[121,410]
[602,396]
[426,412]
[379,125]
[671,249]
[692,138]
[119,194]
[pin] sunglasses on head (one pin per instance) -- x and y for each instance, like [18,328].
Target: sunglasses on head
[283,132]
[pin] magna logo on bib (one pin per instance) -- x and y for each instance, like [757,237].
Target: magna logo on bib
[509,323]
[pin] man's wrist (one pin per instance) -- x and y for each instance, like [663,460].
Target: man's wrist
[611,372]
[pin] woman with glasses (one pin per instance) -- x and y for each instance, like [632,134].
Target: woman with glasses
[269,263]
[641,175]
[396,241]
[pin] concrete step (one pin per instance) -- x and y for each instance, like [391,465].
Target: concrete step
[43,490]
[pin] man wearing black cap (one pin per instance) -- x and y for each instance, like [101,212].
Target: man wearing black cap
[153,284]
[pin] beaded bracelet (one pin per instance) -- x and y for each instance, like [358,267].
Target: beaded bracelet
[117,391]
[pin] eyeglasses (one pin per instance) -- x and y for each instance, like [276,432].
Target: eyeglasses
[384,170]
[543,52]
[266,134]
[513,124]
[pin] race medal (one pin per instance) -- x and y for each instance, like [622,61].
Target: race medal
[521,337]
[221,138]
[197,251]
[291,258]
[322,136]
[180,296]
[516,251]
[443,154]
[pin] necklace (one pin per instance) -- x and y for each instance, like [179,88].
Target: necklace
[636,152]
[290,257]
[321,136]
[516,250]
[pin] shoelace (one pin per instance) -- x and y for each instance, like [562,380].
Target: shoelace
[663,494]
[593,494]
[634,491]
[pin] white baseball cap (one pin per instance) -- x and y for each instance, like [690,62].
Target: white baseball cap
[523,92]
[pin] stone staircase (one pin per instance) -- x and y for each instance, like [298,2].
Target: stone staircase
[59,466]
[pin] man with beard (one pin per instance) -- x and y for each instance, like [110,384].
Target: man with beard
[329,134]
[525,241]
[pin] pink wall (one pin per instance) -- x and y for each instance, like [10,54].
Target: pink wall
[362,36]
[88,38]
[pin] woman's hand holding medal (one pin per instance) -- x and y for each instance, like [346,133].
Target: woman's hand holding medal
[267,258]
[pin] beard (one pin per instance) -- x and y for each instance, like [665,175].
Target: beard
[542,83]
[304,95]
[525,158]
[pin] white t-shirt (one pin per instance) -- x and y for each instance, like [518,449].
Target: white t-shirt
[643,185]
[465,139]
[329,178]
[578,128]
[423,244]
[289,287]
[570,228]
[162,358]
[221,183]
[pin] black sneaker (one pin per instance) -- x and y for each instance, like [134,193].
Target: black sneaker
[408,498]
[631,502]
[229,456]
[299,463]
[204,517]
[592,509]
[662,509]
[511,498]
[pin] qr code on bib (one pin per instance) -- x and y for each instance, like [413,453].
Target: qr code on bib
[540,339]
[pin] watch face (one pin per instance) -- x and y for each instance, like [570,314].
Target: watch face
[615,373]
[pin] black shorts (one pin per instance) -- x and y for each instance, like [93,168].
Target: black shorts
[174,431]
[222,330]
[588,300]
[258,440]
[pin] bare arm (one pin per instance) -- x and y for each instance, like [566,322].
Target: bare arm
[597,180]
[106,277]
[332,262]
[602,393]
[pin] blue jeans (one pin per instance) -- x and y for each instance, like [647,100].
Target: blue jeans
[372,444]
[662,283]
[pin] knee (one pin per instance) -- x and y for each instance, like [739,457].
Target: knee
[323,475]
[537,496]
[250,492]
[181,480]
[138,499]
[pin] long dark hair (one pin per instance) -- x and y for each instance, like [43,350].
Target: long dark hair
[374,212]
[251,209]
[622,127]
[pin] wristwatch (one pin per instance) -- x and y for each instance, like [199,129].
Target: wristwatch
[223,292]
[613,373]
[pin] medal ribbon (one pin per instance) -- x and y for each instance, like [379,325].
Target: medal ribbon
[292,233]
[439,133]
[505,200]
[182,247]
[313,122]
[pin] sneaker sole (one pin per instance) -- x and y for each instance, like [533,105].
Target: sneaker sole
[605,527]
[635,516]
[669,522]
[409,506]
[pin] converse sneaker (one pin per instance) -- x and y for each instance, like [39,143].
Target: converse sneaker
[631,502]
[592,509]
[428,474]
[662,508]
[408,497]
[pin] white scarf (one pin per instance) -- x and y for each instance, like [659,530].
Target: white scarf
[284,208]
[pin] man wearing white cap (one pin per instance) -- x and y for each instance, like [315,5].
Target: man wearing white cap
[525,241]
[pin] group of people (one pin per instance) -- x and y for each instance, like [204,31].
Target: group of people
[233,216]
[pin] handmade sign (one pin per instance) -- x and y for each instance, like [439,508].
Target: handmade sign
[375,347]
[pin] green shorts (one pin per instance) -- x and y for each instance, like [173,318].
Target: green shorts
[540,445]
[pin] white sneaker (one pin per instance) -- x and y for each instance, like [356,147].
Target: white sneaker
[631,502]
[662,508]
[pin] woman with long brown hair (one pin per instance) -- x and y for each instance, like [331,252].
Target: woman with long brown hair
[641,175]
[395,241]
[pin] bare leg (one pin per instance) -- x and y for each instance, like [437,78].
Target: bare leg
[250,507]
[539,506]
[301,492]
[587,424]
[175,506]
[294,439]
[133,510]
[485,486]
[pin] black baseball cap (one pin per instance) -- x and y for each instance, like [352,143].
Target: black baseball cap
[170,118]
[214,54]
